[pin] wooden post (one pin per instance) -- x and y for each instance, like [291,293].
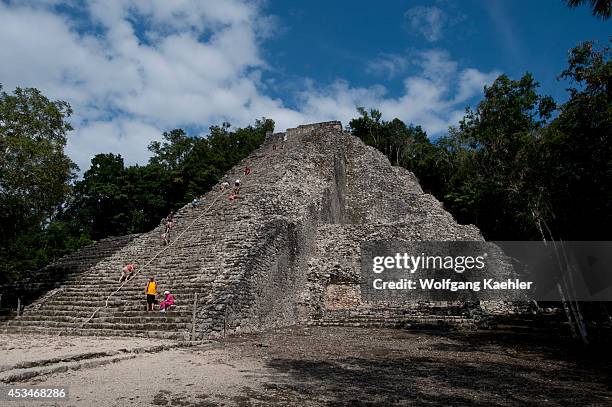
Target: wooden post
[195,305]
[18,305]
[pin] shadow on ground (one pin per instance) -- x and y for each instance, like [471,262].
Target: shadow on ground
[442,369]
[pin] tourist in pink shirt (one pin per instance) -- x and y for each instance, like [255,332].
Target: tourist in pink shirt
[167,302]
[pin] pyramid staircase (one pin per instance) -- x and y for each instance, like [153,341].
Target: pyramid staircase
[84,302]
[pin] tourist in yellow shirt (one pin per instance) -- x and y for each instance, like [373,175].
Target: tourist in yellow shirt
[151,292]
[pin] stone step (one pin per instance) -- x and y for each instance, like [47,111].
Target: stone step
[396,319]
[182,312]
[112,281]
[100,332]
[385,313]
[175,312]
[134,311]
[116,299]
[117,325]
[153,317]
[73,298]
[73,290]
[408,323]
[135,305]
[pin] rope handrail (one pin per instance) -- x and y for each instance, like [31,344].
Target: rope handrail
[157,255]
[166,247]
[153,258]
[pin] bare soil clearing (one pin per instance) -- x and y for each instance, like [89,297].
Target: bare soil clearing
[338,366]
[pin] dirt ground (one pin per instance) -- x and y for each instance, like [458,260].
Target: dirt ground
[333,367]
[26,350]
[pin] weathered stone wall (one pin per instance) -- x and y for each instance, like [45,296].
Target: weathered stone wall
[309,129]
[333,205]
[342,296]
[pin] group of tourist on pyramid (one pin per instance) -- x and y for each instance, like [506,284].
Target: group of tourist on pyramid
[128,270]
[235,192]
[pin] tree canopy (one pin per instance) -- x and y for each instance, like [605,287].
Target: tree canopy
[35,173]
[599,8]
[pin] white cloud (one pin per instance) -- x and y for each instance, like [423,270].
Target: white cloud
[426,21]
[434,98]
[387,65]
[186,63]
[505,27]
[149,66]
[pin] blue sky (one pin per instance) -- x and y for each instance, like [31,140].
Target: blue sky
[132,69]
[512,36]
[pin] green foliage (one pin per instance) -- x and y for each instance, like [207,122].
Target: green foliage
[35,174]
[577,149]
[34,171]
[173,151]
[495,181]
[600,8]
[100,200]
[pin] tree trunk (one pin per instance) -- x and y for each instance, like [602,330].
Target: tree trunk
[571,307]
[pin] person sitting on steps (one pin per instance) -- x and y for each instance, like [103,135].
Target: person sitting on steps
[151,292]
[127,272]
[167,302]
[247,170]
[224,186]
[165,238]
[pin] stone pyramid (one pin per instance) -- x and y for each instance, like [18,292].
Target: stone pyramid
[286,252]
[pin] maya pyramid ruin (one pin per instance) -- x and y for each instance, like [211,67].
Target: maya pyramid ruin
[287,252]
